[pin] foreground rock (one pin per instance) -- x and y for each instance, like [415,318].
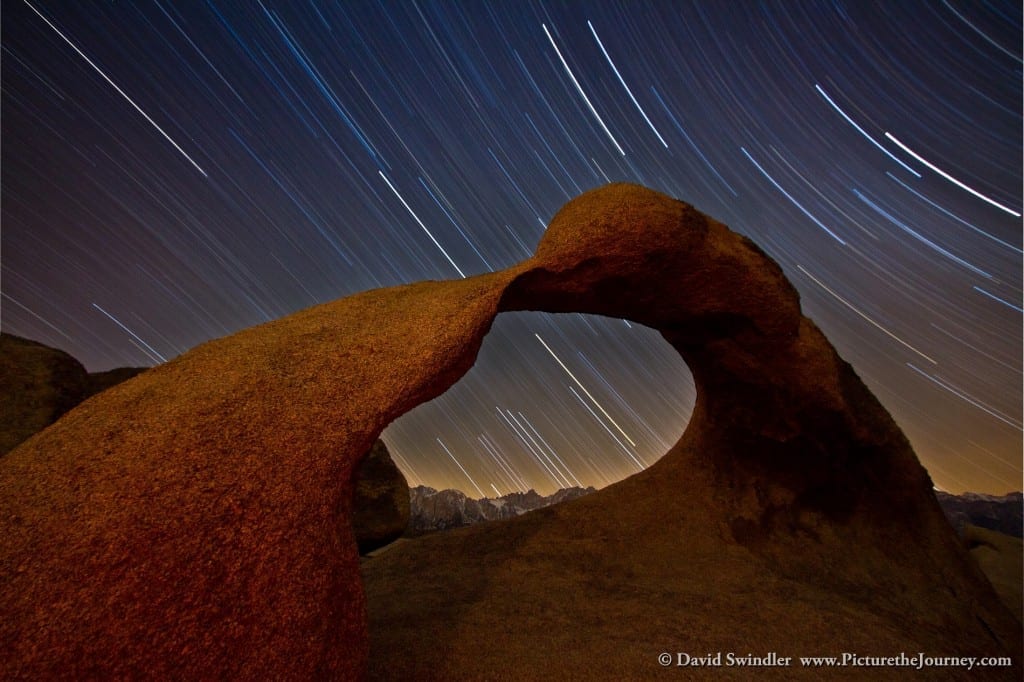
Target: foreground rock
[380,507]
[194,522]
[38,384]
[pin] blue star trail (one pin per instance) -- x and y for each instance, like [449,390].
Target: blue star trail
[175,172]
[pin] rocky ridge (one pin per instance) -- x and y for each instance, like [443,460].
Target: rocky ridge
[434,510]
[1001,513]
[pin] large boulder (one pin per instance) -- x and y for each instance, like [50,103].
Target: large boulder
[38,384]
[195,522]
[380,508]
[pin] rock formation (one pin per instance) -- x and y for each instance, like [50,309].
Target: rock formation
[193,522]
[38,384]
[380,507]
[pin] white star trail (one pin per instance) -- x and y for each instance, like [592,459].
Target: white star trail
[133,334]
[862,315]
[579,89]
[864,132]
[584,389]
[949,177]
[461,468]
[960,394]
[119,90]
[420,223]
[794,201]
[623,81]
[334,148]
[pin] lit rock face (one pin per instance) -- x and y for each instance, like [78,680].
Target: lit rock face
[194,522]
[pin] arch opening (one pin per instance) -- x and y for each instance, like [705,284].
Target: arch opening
[553,401]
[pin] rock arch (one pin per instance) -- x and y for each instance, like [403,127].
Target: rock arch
[192,521]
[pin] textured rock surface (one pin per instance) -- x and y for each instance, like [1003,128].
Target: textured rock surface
[38,384]
[380,506]
[194,522]
[792,515]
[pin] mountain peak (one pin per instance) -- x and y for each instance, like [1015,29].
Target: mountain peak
[434,510]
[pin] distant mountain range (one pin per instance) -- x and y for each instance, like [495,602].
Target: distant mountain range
[433,510]
[999,513]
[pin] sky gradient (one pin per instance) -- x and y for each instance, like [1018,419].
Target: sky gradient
[175,172]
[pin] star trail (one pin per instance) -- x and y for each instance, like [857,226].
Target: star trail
[175,172]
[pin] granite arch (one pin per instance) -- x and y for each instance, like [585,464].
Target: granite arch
[191,522]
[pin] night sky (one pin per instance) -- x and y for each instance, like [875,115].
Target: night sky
[175,172]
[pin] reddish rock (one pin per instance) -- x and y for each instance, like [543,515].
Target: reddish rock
[792,516]
[194,522]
